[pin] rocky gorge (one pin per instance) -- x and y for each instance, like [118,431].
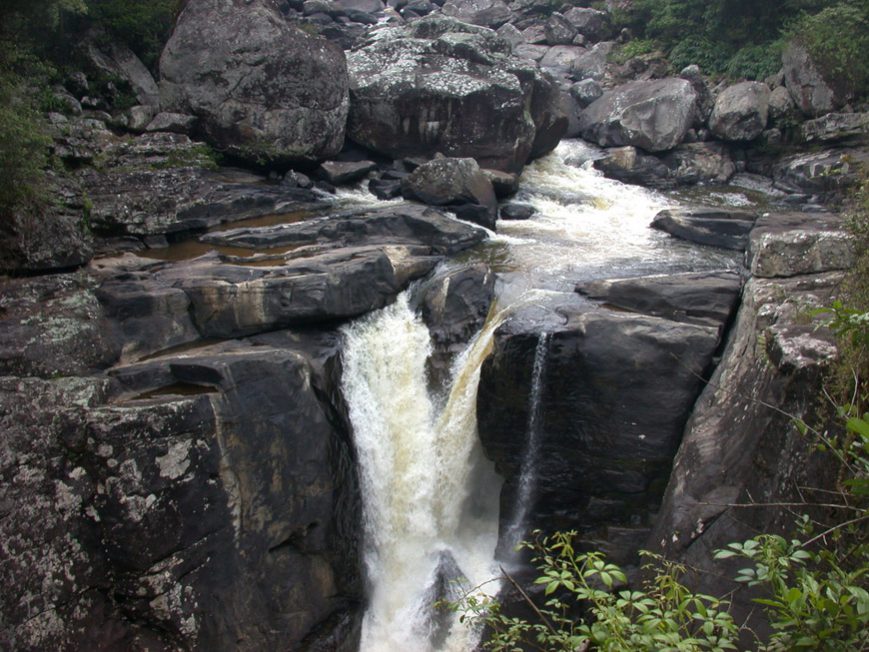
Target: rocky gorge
[184,337]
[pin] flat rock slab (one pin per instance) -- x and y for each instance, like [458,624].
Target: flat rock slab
[716,227]
[790,244]
[704,298]
[407,224]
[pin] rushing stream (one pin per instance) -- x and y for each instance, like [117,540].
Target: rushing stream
[431,499]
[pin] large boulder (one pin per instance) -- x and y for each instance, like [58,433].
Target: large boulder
[487,13]
[728,228]
[614,393]
[263,90]
[811,92]
[741,111]
[593,24]
[439,85]
[704,298]
[653,115]
[457,183]
[791,244]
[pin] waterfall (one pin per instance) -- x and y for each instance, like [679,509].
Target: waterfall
[418,459]
[528,471]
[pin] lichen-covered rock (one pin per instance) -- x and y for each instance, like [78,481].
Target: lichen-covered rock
[593,24]
[790,244]
[653,115]
[444,86]
[262,89]
[50,236]
[738,449]
[164,183]
[827,170]
[834,127]
[487,13]
[741,111]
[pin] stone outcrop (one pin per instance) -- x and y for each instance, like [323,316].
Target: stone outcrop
[444,86]
[741,112]
[262,89]
[157,524]
[715,227]
[652,115]
[601,466]
[790,244]
[704,298]
[812,94]
[749,452]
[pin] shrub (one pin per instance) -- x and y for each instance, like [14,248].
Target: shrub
[662,614]
[755,61]
[708,55]
[631,49]
[838,40]
[23,146]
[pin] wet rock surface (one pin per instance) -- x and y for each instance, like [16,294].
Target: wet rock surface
[716,227]
[601,465]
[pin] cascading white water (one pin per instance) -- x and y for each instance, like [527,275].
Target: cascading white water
[419,455]
[416,467]
[528,471]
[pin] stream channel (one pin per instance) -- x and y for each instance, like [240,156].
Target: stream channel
[431,498]
[431,510]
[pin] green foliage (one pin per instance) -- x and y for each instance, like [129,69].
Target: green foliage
[699,50]
[143,25]
[838,40]
[755,61]
[23,147]
[661,615]
[631,49]
[816,602]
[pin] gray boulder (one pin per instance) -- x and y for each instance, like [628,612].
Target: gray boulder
[692,163]
[827,170]
[117,60]
[439,85]
[716,227]
[262,89]
[704,298]
[741,112]
[457,183]
[653,115]
[834,127]
[593,24]
[810,91]
[585,92]
[487,13]
[780,103]
[790,244]
[559,31]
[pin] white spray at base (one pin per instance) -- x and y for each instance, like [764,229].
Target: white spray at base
[416,471]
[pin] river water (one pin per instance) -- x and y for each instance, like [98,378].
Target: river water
[430,497]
